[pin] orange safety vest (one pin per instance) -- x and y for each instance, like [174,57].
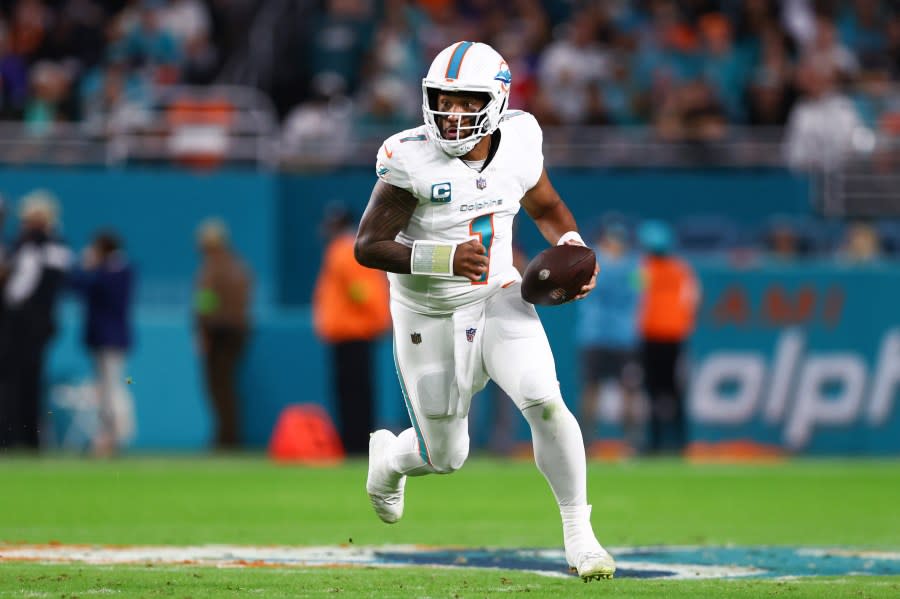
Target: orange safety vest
[350,301]
[671,297]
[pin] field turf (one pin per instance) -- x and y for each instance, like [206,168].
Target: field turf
[247,500]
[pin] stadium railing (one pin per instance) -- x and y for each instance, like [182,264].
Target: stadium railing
[863,188]
[205,126]
[232,125]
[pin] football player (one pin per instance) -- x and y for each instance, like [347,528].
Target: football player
[439,221]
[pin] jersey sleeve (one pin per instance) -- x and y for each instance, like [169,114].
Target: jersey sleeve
[389,165]
[530,143]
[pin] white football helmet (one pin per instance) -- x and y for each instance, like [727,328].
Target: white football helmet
[466,67]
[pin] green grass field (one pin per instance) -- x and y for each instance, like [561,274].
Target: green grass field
[489,503]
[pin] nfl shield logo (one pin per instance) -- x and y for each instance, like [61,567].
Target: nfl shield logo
[416,338]
[480,182]
[470,335]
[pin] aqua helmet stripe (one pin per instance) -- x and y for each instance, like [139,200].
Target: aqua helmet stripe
[456,59]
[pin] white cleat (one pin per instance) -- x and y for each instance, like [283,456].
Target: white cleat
[385,488]
[593,564]
[583,553]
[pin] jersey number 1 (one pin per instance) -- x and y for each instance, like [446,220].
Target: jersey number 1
[483,227]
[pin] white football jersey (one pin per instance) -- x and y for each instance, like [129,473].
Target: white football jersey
[458,203]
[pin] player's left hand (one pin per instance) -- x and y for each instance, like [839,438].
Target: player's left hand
[590,284]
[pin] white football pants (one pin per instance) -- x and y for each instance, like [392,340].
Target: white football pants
[443,360]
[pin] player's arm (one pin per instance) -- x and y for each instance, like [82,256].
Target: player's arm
[548,211]
[554,220]
[388,213]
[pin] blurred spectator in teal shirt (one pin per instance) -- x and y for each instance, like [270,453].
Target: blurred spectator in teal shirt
[607,331]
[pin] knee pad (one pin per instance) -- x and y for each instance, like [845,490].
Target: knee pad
[538,387]
[450,457]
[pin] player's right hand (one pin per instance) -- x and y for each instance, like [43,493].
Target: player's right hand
[470,260]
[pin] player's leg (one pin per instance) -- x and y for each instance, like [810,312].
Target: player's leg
[517,356]
[438,440]
[590,385]
[106,378]
[630,378]
[654,385]
[353,382]
[676,392]
[425,362]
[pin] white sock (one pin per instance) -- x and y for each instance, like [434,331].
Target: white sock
[578,534]
[576,520]
[559,451]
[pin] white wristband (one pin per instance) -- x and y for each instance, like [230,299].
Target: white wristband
[432,258]
[570,235]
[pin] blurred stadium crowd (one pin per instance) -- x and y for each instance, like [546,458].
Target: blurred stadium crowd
[97,60]
[337,76]
[688,68]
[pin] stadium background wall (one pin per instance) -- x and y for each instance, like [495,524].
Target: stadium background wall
[816,341]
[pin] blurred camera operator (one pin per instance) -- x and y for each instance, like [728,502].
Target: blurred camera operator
[37,267]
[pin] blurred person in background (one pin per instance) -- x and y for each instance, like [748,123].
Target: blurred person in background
[13,77]
[667,318]
[37,268]
[343,33]
[222,324]
[861,245]
[606,331]
[148,43]
[570,69]
[861,25]
[114,98]
[186,20]
[4,271]
[105,280]
[2,238]
[827,53]
[396,56]
[691,113]
[798,19]
[893,45]
[350,313]
[724,67]
[770,92]
[319,129]
[50,101]
[383,107]
[29,27]
[76,36]
[782,243]
[190,23]
[824,128]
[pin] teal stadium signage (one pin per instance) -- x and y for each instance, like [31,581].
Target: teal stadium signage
[801,358]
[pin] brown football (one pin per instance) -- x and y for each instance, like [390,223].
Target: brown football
[557,274]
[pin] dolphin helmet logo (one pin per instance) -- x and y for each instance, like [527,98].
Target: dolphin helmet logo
[504,76]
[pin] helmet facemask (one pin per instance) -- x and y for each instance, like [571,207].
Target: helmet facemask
[471,127]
